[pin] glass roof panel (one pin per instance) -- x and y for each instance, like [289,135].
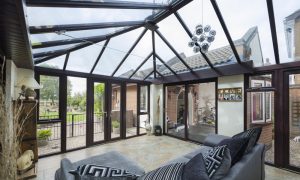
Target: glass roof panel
[72,34]
[83,59]
[116,50]
[167,55]
[287,18]
[145,70]
[219,50]
[161,68]
[56,63]
[38,16]
[151,1]
[179,40]
[250,28]
[53,48]
[137,56]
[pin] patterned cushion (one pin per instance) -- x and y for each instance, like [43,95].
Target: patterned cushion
[253,135]
[217,162]
[195,169]
[92,170]
[168,172]
[237,147]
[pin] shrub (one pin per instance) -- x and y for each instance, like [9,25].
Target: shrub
[115,124]
[44,134]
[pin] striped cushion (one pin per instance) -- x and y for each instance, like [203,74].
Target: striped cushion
[100,171]
[168,172]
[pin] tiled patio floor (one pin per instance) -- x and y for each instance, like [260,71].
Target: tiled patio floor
[148,151]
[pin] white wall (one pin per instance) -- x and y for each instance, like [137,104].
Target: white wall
[20,74]
[156,105]
[230,114]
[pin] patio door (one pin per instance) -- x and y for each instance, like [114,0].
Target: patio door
[292,126]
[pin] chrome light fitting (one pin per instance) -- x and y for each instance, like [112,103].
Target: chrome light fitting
[202,38]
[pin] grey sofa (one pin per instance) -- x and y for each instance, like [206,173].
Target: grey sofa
[250,167]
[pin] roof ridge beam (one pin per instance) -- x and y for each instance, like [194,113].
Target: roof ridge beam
[95,4]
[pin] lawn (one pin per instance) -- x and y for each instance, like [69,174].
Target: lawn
[76,116]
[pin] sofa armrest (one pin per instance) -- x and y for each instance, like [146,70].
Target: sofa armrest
[214,139]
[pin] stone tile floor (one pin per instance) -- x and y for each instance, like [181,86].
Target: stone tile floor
[148,151]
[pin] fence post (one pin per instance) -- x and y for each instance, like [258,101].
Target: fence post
[72,125]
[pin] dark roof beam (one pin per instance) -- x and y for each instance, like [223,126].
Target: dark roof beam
[225,29]
[94,4]
[78,27]
[66,61]
[273,30]
[148,75]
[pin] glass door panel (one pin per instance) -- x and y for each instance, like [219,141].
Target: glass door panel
[294,120]
[115,114]
[76,112]
[202,111]
[175,109]
[100,112]
[131,110]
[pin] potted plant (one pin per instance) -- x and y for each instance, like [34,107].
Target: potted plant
[116,126]
[43,136]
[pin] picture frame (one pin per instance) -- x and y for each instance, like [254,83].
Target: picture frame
[230,94]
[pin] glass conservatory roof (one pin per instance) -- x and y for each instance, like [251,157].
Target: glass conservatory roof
[144,39]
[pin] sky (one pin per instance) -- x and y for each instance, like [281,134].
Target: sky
[239,16]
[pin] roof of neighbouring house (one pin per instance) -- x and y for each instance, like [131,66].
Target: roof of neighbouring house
[220,56]
[293,16]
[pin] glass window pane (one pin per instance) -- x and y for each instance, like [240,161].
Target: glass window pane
[38,16]
[83,59]
[53,142]
[175,107]
[287,18]
[145,70]
[161,68]
[143,123]
[261,81]
[202,111]
[294,120]
[219,51]
[115,51]
[115,110]
[49,98]
[250,31]
[137,56]
[179,40]
[56,63]
[131,110]
[76,112]
[99,111]
[54,48]
[144,99]
[167,55]
[72,34]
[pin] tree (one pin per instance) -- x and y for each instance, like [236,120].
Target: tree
[98,97]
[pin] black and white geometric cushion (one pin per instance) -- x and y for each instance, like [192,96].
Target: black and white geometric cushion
[213,159]
[168,172]
[100,171]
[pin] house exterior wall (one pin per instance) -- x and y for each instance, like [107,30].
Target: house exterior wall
[297,39]
[256,53]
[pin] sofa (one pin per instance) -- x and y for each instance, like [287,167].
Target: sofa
[250,167]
